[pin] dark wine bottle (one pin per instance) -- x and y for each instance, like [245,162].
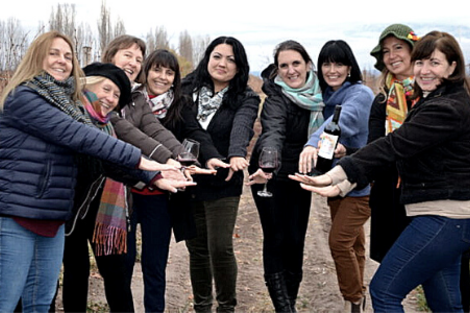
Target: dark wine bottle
[329,141]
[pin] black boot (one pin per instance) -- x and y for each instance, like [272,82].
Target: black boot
[278,292]
[293,283]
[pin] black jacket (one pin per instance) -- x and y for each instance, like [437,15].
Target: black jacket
[431,149]
[284,126]
[231,130]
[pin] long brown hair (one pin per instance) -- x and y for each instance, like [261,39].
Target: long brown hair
[32,64]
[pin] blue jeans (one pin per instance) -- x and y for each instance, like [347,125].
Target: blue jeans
[427,253]
[29,267]
[151,211]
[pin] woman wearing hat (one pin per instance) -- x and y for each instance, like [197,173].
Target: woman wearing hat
[430,150]
[389,109]
[100,203]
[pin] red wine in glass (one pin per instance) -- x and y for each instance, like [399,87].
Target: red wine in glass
[186,159]
[190,153]
[268,163]
[268,168]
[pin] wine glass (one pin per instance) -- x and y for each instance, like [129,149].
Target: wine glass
[189,155]
[268,163]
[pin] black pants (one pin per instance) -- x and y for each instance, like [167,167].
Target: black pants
[284,219]
[77,270]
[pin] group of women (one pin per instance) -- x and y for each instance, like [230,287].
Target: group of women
[88,154]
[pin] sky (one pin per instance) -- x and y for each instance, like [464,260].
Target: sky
[261,24]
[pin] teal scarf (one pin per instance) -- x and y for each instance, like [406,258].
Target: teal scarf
[308,97]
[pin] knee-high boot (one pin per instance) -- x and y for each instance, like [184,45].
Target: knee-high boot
[293,283]
[278,292]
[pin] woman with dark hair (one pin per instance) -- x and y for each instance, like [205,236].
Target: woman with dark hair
[341,83]
[161,93]
[291,111]
[431,151]
[226,108]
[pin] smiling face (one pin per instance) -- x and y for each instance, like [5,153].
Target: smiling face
[292,68]
[130,60]
[159,80]
[222,66]
[335,74]
[58,62]
[430,72]
[396,54]
[108,95]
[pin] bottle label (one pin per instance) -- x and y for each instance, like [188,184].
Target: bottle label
[328,145]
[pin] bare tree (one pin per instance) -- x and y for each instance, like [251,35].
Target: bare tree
[104,27]
[186,46]
[85,44]
[200,44]
[161,35]
[13,44]
[119,28]
[63,20]
[158,39]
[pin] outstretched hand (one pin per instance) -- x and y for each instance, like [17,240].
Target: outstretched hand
[215,163]
[258,177]
[327,191]
[319,184]
[236,164]
[194,170]
[173,185]
[308,159]
[317,181]
[150,165]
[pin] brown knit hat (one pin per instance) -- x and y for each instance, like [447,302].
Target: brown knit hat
[399,31]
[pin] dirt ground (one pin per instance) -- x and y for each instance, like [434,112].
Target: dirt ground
[318,292]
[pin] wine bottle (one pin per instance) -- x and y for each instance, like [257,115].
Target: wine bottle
[329,141]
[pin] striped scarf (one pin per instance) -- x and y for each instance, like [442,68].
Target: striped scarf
[110,230]
[397,106]
[58,93]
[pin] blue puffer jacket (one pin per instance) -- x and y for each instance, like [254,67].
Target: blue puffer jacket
[38,145]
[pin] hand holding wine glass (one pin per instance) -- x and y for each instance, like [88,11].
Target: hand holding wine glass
[189,155]
[268,161]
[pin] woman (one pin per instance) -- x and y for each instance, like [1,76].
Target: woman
[291,111]
[389,109]
[227,109]
[100,204]
[161,93]
[136,124]
[42,130]
[341,82]
[430,149]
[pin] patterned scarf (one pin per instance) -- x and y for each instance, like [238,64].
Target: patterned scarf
[308,97]
[208,103]
[93,108]
[58,93]
[397,107]
[110,230]
[160,104]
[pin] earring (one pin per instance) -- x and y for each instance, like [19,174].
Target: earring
[349,74]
